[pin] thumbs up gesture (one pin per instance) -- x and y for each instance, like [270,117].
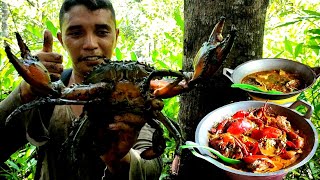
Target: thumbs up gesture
[51,60]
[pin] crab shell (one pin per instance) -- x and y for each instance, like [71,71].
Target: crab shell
[120,89]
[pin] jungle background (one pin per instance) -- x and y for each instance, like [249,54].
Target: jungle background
[152,31]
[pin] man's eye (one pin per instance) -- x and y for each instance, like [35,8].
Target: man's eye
[102,33]
[75,33]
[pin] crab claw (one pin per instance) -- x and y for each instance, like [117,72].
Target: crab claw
[216,34]
[30,68]
[213,52]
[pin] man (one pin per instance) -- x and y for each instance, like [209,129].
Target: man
[88,34]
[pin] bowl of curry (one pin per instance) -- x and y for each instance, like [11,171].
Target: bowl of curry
[269,139]
[284,75]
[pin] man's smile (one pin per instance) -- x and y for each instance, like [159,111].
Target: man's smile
[90,58]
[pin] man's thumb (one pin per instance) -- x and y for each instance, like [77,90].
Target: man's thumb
[47,41]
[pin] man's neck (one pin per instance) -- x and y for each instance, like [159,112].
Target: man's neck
[75,79]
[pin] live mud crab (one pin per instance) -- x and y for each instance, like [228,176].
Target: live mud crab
[126,88]
[265,141]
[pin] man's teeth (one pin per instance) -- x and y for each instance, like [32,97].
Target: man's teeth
[91,58]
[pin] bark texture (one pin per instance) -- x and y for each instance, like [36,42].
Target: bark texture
[4,24]
[200,17]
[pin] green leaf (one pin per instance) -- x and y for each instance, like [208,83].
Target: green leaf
[278,55]
[315,38]
[298,50]
[133,56]
[29,152]
[178,18]
[51,27]
[314,47]
[118,54]
[34,30]
[13,165]
[288,45]
[9,71]
[315,13]
[314,31]
[168,36]
[7,82]
[154,55]
[161,64]
[287,23]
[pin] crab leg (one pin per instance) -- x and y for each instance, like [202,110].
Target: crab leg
[48,101]
[158,142]
[75,95]
[86,92]
[177,136]
[165,89]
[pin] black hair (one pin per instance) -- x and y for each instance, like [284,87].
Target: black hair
[90,4]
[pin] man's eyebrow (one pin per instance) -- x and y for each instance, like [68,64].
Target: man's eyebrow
[70,28]
[97,26]
[103,26]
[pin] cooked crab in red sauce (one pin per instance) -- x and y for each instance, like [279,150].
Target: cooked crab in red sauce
[263,140]
[279,80]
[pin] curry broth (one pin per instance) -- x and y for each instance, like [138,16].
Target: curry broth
[279,80]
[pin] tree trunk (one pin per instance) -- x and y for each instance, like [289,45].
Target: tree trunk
[4,24]
[200,17]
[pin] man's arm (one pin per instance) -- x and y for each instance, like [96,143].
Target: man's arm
[132,165]
[150,169]
[11,137]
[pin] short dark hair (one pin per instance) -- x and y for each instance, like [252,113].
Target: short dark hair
[90,4]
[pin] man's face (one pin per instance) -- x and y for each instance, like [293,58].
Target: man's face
[88,36]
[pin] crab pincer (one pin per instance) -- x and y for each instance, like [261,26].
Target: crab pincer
[213,52]
[30,68]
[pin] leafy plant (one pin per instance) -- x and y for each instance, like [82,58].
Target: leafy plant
[21,165]
[293,32]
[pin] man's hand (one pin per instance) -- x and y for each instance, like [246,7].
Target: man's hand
[53,63]
[316,70]
[127,128]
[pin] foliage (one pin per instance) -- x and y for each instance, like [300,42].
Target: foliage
[158,42]
[293,32]
[300,21]
[152,31]
[21,165]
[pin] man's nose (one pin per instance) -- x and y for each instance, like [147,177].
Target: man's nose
[90,42]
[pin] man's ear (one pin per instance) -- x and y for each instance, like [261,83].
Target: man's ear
[117,35]
[59,36]
[117,32]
